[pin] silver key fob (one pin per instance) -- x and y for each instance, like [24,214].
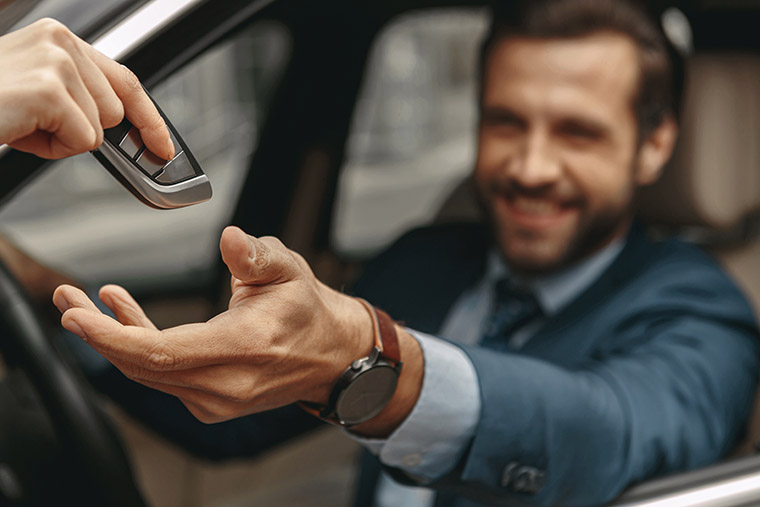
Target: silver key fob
[162,184]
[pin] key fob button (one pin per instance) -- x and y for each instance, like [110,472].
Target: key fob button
[132,143]
[177,170]
[177,147]
[116,134]
[150,163]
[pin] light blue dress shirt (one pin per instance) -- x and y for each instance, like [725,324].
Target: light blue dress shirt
[432,439]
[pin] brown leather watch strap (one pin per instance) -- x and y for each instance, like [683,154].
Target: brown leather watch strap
[386,347]
[386,338]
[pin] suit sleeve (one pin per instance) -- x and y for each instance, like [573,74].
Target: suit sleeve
[549,435]
[667,384]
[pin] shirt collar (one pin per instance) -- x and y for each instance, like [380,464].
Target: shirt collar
[555,291]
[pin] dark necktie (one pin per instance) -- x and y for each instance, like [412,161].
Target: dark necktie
[512,308]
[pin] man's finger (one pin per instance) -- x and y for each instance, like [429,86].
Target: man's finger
[178,348]
[257,261]
[123,305]
[138,346]
[140,110]
[68,296]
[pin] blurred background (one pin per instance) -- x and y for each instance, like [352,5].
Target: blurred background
[411,140]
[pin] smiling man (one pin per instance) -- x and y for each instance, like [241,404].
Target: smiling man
[559,156]
[578,355]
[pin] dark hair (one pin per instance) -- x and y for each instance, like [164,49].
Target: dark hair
[661,72]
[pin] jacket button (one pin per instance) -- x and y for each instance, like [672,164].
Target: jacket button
[522,479]
[528,480]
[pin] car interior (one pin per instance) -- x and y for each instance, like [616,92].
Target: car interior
[335,126]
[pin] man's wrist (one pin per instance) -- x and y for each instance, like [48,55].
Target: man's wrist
[406,394]
[354,326]
[348,336]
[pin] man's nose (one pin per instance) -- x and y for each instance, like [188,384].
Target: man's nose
[536,163]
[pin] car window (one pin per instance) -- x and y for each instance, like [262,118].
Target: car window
[79,219]
[412,137]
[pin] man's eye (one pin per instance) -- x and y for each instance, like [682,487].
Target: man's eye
[502,120]
[578,132]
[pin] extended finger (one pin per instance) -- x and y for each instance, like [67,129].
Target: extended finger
[123,305]
[257,261]
[182,347]
[68,296]
[139,109]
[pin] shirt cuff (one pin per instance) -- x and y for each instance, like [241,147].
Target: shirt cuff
[432,439]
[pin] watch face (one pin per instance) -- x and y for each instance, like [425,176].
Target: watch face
[367,394]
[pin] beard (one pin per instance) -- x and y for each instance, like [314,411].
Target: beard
[532,252]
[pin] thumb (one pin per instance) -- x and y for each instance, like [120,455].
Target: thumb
[257,261]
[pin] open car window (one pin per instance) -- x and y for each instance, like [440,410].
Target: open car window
[412,137]
[78,218]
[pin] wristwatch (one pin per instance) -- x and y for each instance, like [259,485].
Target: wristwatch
[367,385]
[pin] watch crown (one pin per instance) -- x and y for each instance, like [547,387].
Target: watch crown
[357,364]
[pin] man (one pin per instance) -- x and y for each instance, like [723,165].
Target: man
[588,357]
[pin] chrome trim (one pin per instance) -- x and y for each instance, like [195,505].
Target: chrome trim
[743,490]
[731,483]
[134,30]
[140,26]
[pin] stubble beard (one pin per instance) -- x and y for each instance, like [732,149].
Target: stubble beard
[531,255]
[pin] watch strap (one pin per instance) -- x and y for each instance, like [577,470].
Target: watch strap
[386,338]
[386,347]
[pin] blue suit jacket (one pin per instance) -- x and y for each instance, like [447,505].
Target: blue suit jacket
[650,370]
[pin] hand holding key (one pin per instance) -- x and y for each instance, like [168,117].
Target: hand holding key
[57,94]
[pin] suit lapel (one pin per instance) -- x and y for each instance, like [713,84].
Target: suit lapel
[554,342]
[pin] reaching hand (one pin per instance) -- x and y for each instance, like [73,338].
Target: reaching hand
[285,337]
[57,94]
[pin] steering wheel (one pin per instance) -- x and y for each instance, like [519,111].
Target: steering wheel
[93,464]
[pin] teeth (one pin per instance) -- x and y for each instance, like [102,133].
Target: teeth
[535,206]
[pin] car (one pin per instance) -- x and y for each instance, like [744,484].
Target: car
[335,126]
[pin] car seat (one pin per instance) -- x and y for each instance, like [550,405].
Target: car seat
[710,191]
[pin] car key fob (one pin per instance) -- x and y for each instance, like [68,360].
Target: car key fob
[162,184]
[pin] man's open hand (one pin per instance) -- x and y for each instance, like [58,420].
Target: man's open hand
[285,337]
[57,94]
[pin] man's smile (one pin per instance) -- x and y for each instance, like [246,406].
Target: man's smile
[533,206]
[534,212]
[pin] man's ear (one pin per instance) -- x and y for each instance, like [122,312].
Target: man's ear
[655,151]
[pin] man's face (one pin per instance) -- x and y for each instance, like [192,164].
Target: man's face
[558,154]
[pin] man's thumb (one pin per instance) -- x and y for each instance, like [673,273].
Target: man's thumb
[256,261]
